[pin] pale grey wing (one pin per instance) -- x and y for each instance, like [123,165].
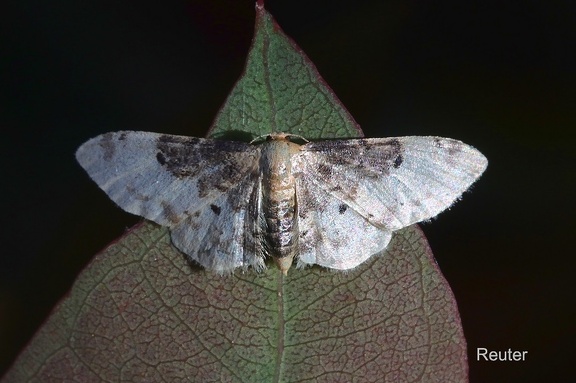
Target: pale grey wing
[162,177]
[331,233]
[175,181]
[392,182]
[220,236]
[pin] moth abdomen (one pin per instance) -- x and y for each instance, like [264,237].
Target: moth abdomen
[281,231]
[279,201]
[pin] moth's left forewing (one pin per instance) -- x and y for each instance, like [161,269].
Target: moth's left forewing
[393,182]
[200,188]
[163,178]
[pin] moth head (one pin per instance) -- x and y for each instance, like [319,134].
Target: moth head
[279,136]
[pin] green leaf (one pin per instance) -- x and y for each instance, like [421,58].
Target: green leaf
[140,312]
[281,91]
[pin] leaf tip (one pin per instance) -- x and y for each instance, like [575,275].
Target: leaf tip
[259,6]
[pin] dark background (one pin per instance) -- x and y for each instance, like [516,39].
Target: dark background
[500,75]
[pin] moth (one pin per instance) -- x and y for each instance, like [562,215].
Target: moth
[232,204]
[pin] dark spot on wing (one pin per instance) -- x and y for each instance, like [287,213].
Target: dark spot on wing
[122,137]
[143,197]
[379,162]
[183,172]
[169,213]
[161,158]
[396,152]
[353,191]
[136,194]
[416,202]
[398,161]
[454,149]
[453,146]
[215,209]
[192,221]
[324,170]
[108,145]
[342,208]
[203,189]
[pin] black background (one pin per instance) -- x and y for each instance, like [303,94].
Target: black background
[500,75]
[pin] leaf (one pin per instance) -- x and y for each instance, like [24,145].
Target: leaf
[140,312]
[281,91]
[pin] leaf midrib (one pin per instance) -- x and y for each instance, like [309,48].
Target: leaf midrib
[281,328]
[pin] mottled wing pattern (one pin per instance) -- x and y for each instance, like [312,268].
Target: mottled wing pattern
[199,188]
[390,182]
[331,233]
[220,237]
